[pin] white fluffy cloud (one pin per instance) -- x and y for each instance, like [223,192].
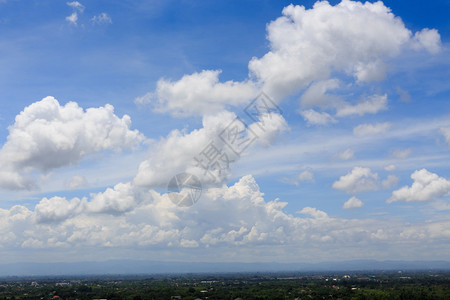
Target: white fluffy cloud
[358,180]
[353,202]
[306,47]
[313,117]
[115,201]
[371,129]
[46,136]
[313,212]
[427,186]
[363,179]
[58,209]
[198,94]
[122,198]
[372,105]
[428,39]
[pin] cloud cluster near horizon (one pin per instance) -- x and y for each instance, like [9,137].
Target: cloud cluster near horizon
[236,216]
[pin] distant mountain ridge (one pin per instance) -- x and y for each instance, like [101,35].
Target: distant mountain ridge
[129,267]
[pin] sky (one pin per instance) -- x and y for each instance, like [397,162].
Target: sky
[308,131]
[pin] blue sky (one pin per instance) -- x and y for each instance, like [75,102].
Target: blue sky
[102,103]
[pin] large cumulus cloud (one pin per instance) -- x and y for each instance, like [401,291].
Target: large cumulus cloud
[307,48]
[47,136]
[427,186]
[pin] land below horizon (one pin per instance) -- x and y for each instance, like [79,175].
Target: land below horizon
[236,286]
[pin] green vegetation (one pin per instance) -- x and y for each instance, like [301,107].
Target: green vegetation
[382,285]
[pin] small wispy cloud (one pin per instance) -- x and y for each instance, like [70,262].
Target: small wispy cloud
[72,19]
[306,176]
[345,155]
[77,8]
[313,117]
[371,129]
[401,153]
[102,18]
[77,182]
[353,202]
[76,5]
[372,105]
[404,95]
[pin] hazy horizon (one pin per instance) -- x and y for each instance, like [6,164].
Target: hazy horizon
[133,267]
